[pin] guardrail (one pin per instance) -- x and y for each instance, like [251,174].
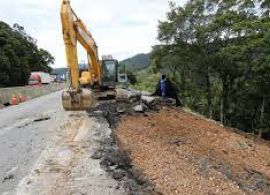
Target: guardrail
[28,92]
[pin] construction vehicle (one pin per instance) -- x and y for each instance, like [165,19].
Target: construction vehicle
[101,75]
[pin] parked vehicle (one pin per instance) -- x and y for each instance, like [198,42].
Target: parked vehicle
[40,78]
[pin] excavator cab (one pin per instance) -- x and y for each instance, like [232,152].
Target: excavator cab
[109,73]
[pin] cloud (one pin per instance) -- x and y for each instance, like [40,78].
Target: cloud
[120,27]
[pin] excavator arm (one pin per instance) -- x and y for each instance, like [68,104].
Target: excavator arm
[102,74]
[74,31]
[89,44]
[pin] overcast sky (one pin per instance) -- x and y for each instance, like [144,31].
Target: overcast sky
[122,28]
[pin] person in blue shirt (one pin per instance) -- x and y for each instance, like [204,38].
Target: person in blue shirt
[166,89]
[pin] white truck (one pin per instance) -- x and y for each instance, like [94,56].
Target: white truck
[40,78]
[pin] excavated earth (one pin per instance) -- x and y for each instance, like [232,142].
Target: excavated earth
[115,160]
[172,151]
[163,151]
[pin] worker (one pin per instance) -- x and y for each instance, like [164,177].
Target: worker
[166,89]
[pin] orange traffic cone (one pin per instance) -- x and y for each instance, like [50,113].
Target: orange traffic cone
[14,100]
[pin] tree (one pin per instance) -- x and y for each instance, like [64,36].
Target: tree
[19,55]
[218,54]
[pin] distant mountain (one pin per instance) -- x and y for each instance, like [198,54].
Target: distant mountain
[138,62]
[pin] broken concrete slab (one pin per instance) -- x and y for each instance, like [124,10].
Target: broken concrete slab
[148,99]
[127,95]
[140,108]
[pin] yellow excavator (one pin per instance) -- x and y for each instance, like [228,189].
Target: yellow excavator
[101,75]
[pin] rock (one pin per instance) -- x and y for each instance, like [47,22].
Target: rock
[148,100]
[121,109]
[118,175]
[10,175]
[98,112]
[243,146]
[127,95]
[166,101]
[97,155]
[145,93]
[139,108]
[177,142]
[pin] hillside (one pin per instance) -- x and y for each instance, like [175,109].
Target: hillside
[137,62]
[181,153]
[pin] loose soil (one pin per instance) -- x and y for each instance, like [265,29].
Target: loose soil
[114,159]
[176,152]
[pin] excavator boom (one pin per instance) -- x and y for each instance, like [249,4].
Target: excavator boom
[101,75]
[74,31]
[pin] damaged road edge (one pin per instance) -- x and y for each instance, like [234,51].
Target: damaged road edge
[116,161]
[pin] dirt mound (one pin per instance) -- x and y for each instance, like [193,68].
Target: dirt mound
[180,153]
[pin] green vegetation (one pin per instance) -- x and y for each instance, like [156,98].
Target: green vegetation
[146,80]
[19,55]
[137,63]
[218,54]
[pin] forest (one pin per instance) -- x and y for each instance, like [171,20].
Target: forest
[217,52]
[19,55]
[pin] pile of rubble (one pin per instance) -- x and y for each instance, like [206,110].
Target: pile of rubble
[141,101]
[114,159]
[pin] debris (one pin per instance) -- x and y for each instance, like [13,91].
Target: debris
[29,182]
[118,175]
[96,113]
[117,162]
[243,145]
[139,108]
[124,95]
[10,175]
[121,110]
[148,100]
[97,155]
[7,177]
[42,119]
[177,142]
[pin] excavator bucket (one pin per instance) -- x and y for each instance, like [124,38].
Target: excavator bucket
[81,100]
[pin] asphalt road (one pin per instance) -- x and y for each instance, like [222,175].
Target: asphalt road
[24,132]
[46,150]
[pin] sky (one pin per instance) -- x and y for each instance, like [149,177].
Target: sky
[122,28]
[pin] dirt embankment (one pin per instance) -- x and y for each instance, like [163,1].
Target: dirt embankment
[180,153]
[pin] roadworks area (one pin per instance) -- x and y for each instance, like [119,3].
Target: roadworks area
[163,150]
